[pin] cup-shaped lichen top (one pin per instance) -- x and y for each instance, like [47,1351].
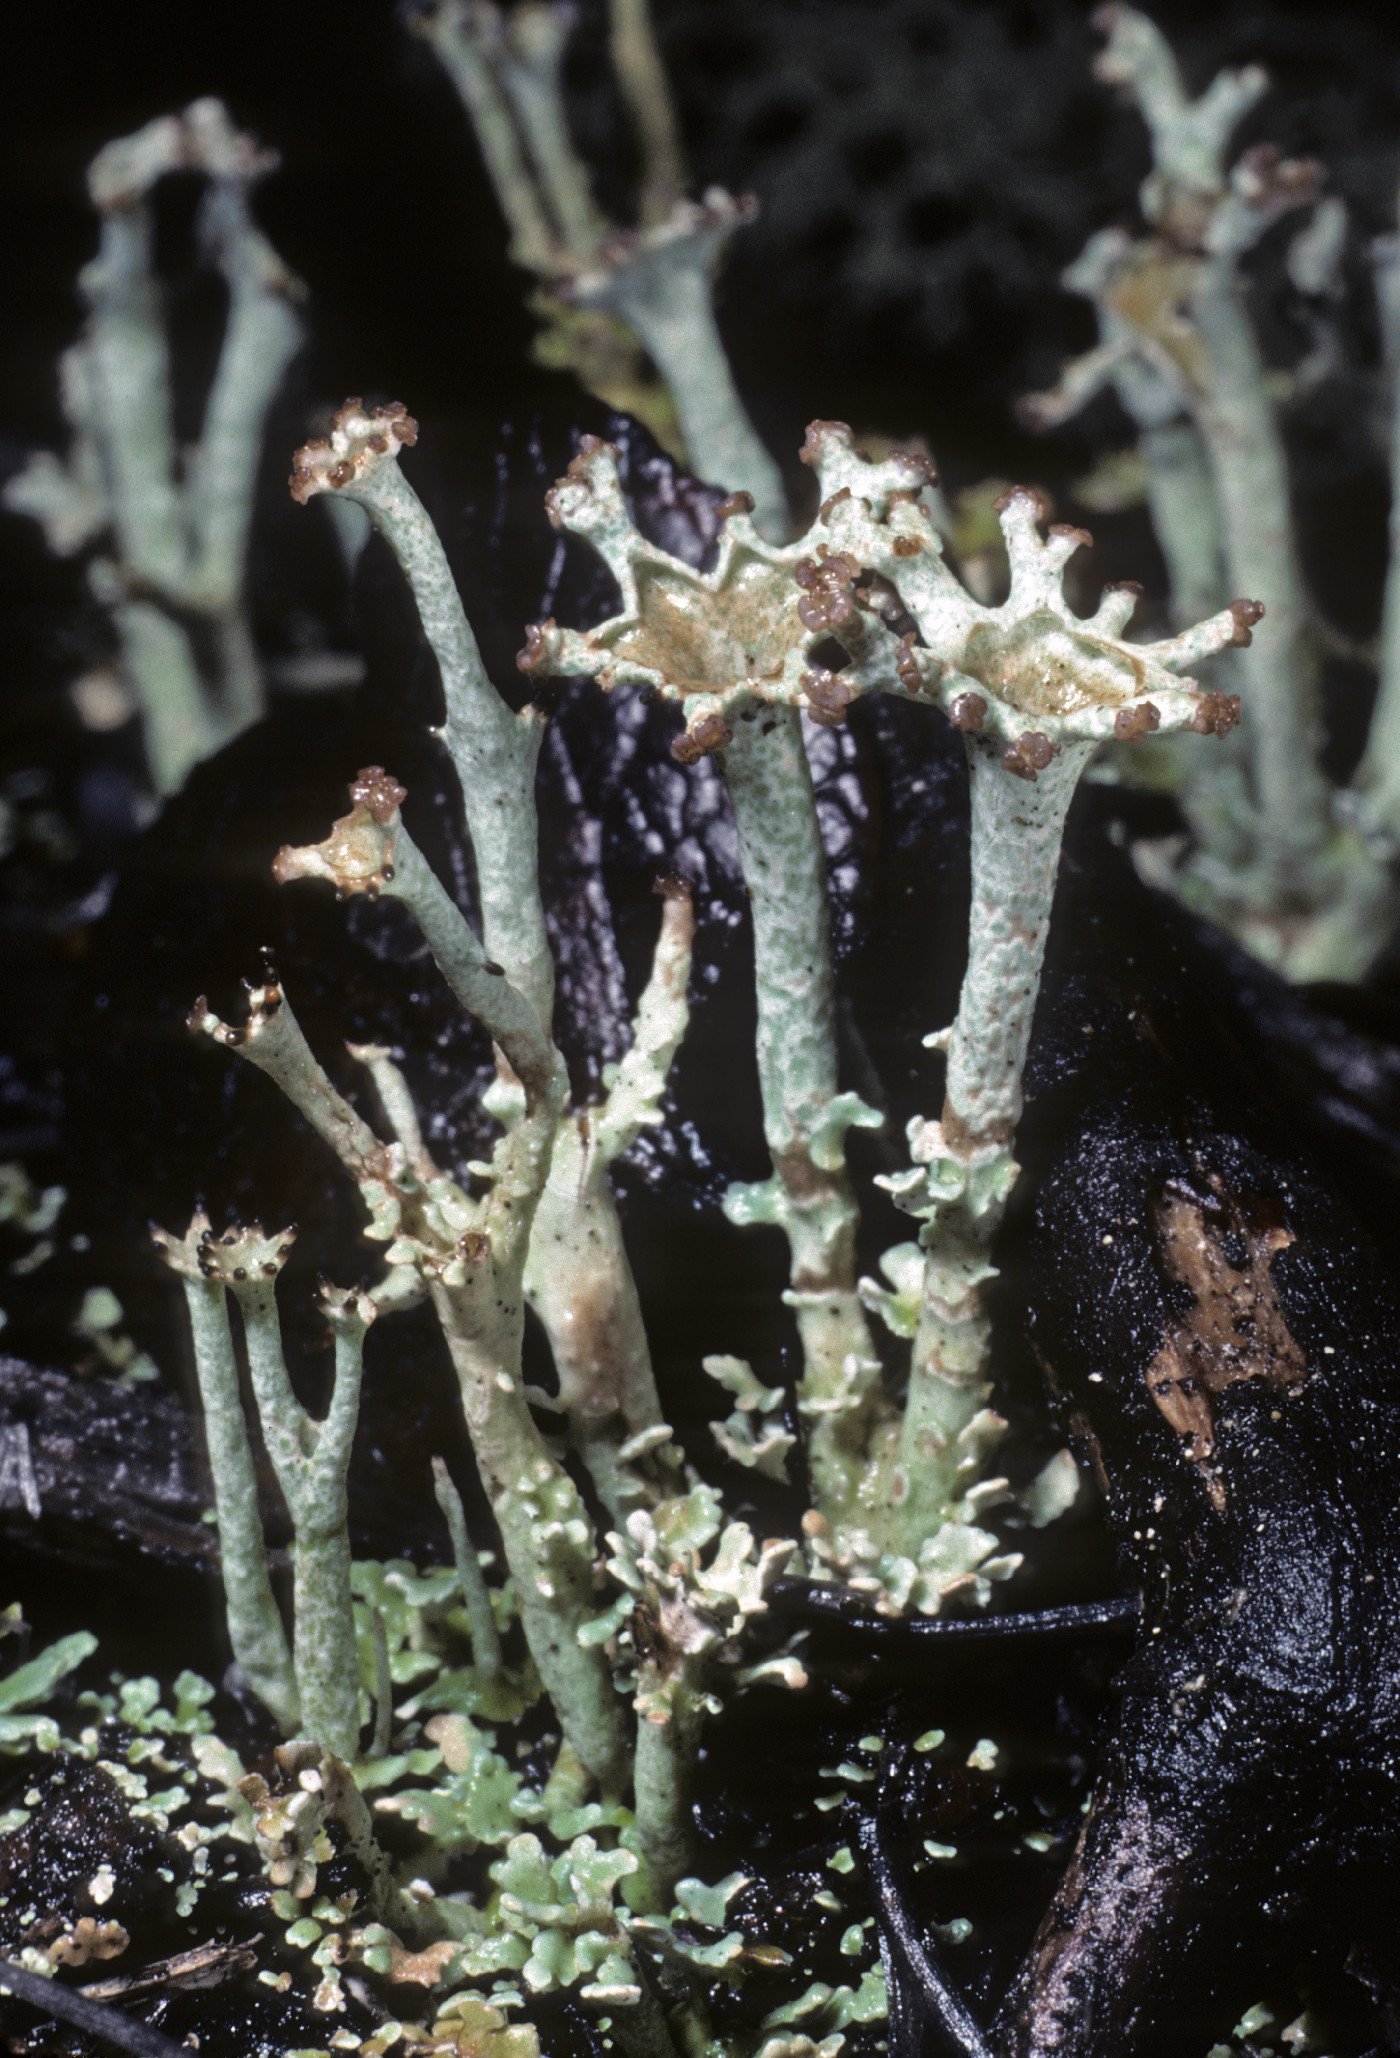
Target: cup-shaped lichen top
[1030,673]
[358,438]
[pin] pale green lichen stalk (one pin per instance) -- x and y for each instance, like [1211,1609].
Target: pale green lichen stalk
[577,1276]
[466,1255]
[1273,860]
[1036,689]
[681,1608]
[311,1460]
[171,529]
[609,295]
[584,1292]
[707,631]
[255,1628]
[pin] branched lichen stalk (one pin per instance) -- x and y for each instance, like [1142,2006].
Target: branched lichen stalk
[578,1279]
[583,1288]
[311,1460]
[606,291]
[171,571]
[493,749]
[1037,688]
[255,1630]
[530,47]
[661,283]
[471,1256]
[1271,863]
[462,34]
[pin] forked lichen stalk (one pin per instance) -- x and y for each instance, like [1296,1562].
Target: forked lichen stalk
[255,1628]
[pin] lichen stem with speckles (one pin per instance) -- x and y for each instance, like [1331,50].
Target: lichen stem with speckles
[1017,828]
[805,1114]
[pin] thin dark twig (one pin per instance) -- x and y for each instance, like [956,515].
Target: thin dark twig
[921,1994]
[838,1604]
[99,2020]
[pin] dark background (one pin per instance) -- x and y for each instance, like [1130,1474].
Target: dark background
[926,168]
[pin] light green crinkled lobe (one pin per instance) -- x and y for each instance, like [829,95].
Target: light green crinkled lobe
[898,1307]
[696,1902]
[753,1435]
[34,1681]
[471,1806]
[563,1909]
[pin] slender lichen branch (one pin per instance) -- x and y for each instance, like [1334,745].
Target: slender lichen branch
[255,1629]
[369,851]
[311,1460]
[493,749]
[173,533]
[642,77]
[678,1619]
[607,291]
[476,1596]
[271,1039]
[1179,344]
[577,1278]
